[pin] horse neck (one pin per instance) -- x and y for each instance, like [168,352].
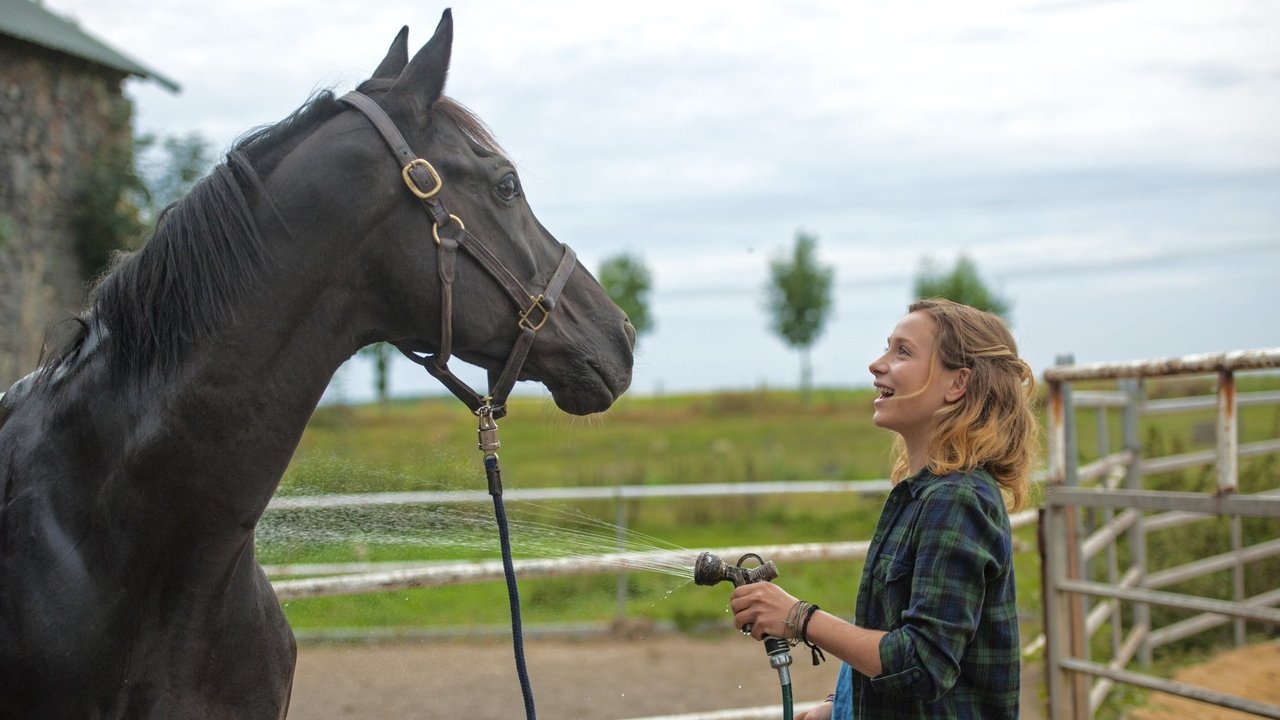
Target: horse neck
[247,400]
[217,430]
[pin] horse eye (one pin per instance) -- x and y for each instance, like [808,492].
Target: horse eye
[508,187]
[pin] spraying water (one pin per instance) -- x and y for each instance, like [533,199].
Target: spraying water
[430,533]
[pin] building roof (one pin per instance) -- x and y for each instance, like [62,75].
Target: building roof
[31,21]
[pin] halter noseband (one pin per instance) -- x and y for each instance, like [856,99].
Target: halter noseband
[449,234]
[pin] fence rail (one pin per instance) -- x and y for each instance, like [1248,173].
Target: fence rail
[615,492]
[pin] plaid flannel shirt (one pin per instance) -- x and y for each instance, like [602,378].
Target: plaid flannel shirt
[939,579]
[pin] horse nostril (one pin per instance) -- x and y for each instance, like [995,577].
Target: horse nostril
[630,331]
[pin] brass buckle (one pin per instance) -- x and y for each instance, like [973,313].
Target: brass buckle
[526,323]
[413,186]
[435,227]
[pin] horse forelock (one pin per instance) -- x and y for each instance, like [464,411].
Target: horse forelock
[472,127]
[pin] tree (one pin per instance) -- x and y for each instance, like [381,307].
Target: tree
[106,218]
[124,189]
[961,284]
[799,300]
[626,280]
[169,168]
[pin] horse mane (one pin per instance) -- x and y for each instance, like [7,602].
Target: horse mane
[205,253]
[184,283]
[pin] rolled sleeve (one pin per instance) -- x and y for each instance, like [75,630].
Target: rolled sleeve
[902,670]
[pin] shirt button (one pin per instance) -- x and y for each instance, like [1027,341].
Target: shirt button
[875,539]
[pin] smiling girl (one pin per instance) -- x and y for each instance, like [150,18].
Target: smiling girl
[935,633]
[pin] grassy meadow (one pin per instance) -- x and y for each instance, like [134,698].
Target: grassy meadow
[429,444]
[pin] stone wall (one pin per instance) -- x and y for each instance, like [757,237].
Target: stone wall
[57,113]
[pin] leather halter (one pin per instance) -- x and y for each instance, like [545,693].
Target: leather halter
[450,234]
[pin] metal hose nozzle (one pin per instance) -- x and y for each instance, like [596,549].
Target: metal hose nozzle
[709,570]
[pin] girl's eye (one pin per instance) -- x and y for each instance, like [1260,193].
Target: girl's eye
[508,188]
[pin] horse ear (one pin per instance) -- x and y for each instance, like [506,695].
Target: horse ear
[397,57]
[424,76]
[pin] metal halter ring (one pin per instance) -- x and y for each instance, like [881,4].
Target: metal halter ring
[413,186]
[435,227]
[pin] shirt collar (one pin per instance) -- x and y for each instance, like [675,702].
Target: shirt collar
[916,483]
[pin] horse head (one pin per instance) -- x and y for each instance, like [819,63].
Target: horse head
[388,263]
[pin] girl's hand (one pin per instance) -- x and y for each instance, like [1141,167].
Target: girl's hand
[821,712]
[765,606]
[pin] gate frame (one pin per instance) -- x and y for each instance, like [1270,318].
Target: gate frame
[1076,606]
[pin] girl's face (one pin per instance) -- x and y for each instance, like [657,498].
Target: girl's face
[912,383]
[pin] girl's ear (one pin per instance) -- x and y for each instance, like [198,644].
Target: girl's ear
[959,385]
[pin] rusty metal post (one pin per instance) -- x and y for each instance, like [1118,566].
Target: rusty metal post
[1228,440]
[1053,560]
[1077,527]
[1229,482]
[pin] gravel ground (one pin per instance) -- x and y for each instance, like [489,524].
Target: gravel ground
[595,678]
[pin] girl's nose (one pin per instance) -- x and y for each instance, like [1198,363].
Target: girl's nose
[877,367]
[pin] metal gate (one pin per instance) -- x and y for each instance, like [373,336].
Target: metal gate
[1098,516]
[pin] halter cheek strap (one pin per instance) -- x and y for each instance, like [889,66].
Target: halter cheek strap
[449,234]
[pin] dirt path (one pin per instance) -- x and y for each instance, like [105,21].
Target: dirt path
[590,679]
[1252,672]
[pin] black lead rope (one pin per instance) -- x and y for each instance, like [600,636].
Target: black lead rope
[487,433]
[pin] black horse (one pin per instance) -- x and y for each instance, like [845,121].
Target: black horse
[134,465]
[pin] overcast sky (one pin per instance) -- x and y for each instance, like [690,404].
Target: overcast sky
[1112,166]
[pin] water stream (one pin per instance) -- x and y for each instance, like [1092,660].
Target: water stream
[459,531]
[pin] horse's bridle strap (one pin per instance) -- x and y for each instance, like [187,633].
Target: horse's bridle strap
[425,183]
[412,167]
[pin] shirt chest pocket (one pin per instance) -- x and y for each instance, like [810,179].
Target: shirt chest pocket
[890,590]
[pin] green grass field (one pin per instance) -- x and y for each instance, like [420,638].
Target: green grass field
[430,445]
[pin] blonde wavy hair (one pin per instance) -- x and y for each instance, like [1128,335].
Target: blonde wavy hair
[992,425]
